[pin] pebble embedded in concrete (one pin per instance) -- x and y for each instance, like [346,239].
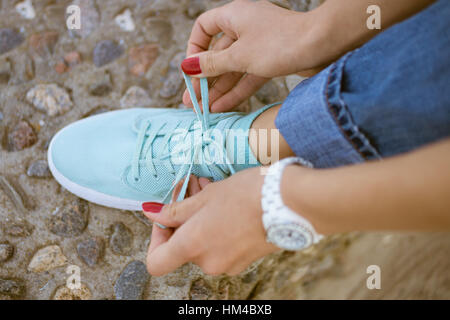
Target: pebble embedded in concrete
[135,97]
[132,281]
[200,290]
[22,136]
[39,169]
[121,240]
[125,21]
[26,9]
[70,220]
[141,58]
[6,252]
[9,39]
[50,98]
[46,259]
[91,250]
[105,52]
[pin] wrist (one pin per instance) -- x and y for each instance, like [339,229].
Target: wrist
[322,42]
[308,46]
[299,193]
[284,227]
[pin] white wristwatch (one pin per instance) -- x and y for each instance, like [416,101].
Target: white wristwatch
[284,228]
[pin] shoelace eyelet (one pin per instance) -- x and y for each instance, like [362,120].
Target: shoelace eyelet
[193,153]
[137,179]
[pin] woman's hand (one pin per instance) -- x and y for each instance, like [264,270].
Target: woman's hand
[219,228]
[260,41]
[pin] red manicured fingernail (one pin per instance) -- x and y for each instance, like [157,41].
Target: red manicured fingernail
[191,66]
[153,207]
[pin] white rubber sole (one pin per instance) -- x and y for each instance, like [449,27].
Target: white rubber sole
[86,193]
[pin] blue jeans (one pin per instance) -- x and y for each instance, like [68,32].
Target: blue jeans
[390,96]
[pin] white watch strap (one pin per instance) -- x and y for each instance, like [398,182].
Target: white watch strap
[272,204]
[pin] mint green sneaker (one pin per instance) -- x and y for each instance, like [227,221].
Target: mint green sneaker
[123,158]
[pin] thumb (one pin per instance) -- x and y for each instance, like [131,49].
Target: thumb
[211,63]
[174,214]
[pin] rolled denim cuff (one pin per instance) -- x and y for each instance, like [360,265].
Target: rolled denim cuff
[317,125]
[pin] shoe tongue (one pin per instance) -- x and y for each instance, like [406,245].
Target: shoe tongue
[181,138]
[233,132]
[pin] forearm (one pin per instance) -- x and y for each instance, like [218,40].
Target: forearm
[408,192]
[338,26]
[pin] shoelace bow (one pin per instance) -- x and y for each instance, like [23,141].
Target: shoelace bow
[196,151]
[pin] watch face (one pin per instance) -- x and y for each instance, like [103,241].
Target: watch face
[289,236]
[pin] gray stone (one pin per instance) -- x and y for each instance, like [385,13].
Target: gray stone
[91,250]
[200,290]
[105,52]
[171,85]
[21,137]
[70,220]
[121,240]
[132,281]
[39,169]
[135,97]
[90,18]
[50,98]
[14,288]
[6,252]
[9,39]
